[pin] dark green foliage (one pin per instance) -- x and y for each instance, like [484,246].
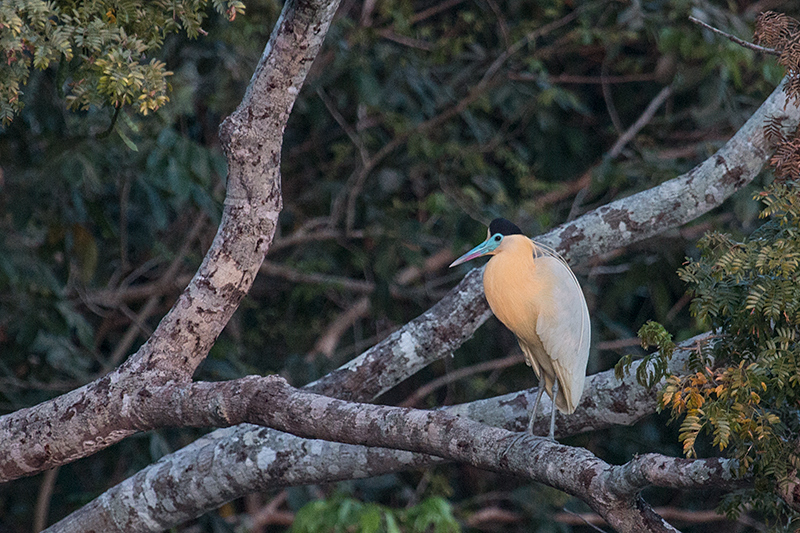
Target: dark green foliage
[340,514]
[104,50]
[745,390]
[653,367]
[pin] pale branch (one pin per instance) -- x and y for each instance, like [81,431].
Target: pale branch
[225,463]
[84,421]
[612,491]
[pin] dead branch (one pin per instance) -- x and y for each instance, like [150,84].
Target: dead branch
[641,122]
[736,40]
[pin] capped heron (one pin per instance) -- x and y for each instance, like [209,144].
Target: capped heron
[532,290]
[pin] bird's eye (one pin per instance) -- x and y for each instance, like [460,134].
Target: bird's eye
[498,238]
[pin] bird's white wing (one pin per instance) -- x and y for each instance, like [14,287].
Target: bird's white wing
[563,325]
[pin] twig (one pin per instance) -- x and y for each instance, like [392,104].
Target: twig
[113,298]
[501,22]
[138,320]
[492,517]
[354,285]
[667,513]
[329,340]
[43,501]
[132,332]
[124,198]
[139,271]
[564,190]
[740,42]
[270,515]
[583,80]
[619,343]
[431,11]
[456,375]
[356,180]
[641,122]
[152,303]
[406,40]
[612,109]
[30,384]
[296,276]
[351,133]
[583,518]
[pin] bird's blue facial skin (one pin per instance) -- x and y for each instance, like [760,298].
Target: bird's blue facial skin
[486,247]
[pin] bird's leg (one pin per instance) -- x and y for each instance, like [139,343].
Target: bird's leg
[530,421]
[553,411]
[535,407]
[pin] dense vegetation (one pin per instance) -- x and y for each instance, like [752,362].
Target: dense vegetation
[419,124]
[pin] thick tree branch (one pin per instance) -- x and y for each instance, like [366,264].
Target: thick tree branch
[297,461]
[85,420]
[612,491]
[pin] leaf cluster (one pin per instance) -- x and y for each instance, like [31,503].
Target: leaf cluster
[104,50]
[745,389]
[339,514]
[782,32]
[653,367]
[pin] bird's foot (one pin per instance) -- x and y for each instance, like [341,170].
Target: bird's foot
[514,441]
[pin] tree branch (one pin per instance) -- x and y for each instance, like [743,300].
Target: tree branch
[85,420]
[612,491]
[228,463]
[733,38]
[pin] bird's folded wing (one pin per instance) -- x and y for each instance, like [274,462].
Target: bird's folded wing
[563,327]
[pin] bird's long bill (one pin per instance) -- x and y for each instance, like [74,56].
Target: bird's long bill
[482,249]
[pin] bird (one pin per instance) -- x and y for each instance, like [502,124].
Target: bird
[531,289]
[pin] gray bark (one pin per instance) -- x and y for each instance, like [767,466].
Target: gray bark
[229,463]
[86,420]
[613,491]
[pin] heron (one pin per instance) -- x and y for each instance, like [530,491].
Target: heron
[531,289]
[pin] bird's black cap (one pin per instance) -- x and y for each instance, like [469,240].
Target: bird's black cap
[504,227]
